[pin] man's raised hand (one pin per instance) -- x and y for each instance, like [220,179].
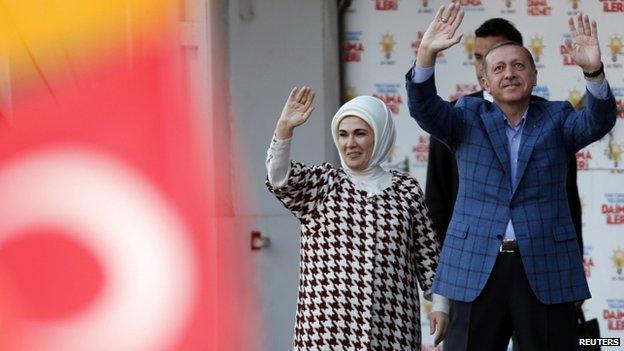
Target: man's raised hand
[441,34]
[583,47]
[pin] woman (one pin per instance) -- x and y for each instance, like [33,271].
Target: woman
[366,234]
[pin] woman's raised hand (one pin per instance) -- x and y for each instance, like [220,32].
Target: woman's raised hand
[296,112]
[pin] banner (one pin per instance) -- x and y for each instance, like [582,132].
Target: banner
[379,46]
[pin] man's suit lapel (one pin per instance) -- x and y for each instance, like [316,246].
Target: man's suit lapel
[530,134]
[494,123]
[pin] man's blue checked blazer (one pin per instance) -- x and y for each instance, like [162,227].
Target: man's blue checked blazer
[474,129]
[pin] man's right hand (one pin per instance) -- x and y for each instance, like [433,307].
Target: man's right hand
[296,112]
[440,35]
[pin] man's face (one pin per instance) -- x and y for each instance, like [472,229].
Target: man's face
[482,45]
[510,77]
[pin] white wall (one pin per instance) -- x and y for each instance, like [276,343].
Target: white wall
[273,46]
[284,43]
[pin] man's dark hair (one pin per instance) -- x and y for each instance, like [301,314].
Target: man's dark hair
[506,43]
[495,27]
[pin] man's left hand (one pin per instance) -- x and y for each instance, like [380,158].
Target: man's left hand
[438,324]
[583,47]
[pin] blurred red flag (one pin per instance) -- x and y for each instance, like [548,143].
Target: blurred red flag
[106,203]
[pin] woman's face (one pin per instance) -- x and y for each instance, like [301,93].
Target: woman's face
[355,142]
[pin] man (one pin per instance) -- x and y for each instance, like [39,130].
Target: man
[442,179]
[441,189]
[510,261]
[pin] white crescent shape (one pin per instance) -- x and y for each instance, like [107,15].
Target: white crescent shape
[131,228]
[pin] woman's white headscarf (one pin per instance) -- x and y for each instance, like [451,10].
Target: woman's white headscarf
[374,112]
